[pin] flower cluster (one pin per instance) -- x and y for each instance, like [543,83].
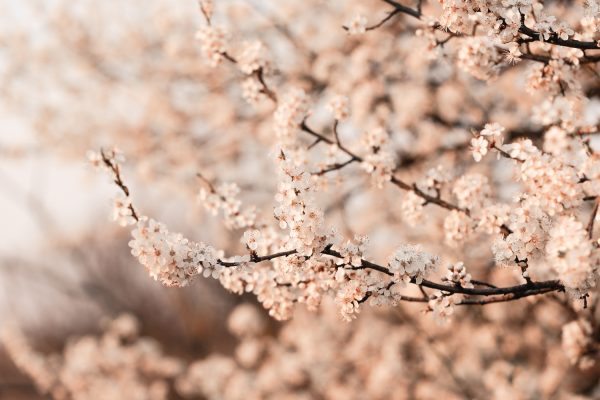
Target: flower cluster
[352,251]
[169,257]
[223,197]
[358,25]
[213,44]
[472,191]
[529,227]
[379,162]
[442,306]
[307,262]
[253,57]
[458,227]
[348,297]
[339,107]
[490,136]
[555,77]
[569,250]
[122,211]
[118,364]
[480,57]
[252,239]
[457,274]
[553,184]
[409,263]
[290,112]
[297,210]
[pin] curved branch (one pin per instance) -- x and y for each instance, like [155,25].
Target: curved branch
[508,293]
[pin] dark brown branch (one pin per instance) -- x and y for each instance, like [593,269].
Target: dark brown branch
[503,298]
[396,181]
[116,171]
[554,39]
[265,89]
[481,283]
[590,225]
[532,35]
[507,293]
[256,259]
[208,183]
[334,167]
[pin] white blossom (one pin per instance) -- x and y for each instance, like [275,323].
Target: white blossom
[410,263]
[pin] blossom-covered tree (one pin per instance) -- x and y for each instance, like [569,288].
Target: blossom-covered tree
[357,155]
[299,257]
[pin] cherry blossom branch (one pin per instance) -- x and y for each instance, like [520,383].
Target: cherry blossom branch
[396,181]
[590,225]
[116,172]
[504,298]
[416,13]
[493,294]
[257,259]
[531,34]
[555,39]
[510,292]
[397,296]
[265,89]
[208,183]
[546,59]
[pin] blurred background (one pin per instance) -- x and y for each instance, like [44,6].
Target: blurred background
[82,75]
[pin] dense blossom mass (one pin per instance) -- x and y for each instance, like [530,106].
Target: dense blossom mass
[299,258]
[361,156]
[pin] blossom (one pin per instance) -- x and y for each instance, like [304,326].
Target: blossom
[412,208]
[290,112]
[493,132]
[493,217]
[480,57]
[375,138]
[503,253]
[113,156]
[521,149]
[358,25]
[410,263]
[352,252]
[169,257]
[442,306]
[513,54]
[457,228]
[348,297]
[379,162]
[563,31]
[569,251]
[472,190]
[457,273]
[296,209]
[122,211]
[253,57]
[339,107]
[223,197]
[553,184]
[479,147]
[380,166]
[252,239]
[213,44]
[252,91]
[556,141]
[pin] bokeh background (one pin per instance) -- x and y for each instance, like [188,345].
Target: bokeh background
[82,75]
